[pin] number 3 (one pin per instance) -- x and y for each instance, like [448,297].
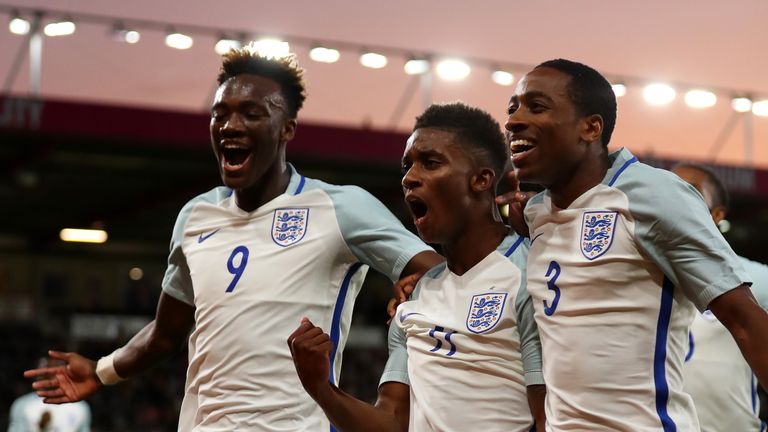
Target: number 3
[553,267]
[237,271]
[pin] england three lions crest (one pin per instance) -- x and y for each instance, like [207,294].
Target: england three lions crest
[485,311]
[289,225]
[597,229]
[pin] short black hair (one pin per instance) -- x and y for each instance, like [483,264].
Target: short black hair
[473,127]
[283,70]
[590,92]
[720,196]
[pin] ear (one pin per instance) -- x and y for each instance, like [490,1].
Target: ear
[718,213]
[483,180]
[288,131]
[592,128]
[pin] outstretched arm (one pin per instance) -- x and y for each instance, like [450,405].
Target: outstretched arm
[77,379]
[311,350]
[158,340]
[746,320]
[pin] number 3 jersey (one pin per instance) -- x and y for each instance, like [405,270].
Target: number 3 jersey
[252,276]
[467,346]
[615,279]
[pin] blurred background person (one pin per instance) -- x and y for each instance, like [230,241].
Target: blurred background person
[715,374]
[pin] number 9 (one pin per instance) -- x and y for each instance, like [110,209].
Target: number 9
[237,271]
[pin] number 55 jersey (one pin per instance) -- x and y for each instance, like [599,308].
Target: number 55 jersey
[615,279]
[252,276]
[467,346]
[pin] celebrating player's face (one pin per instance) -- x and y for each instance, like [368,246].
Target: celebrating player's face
[436,182]
[543,127]
[248,122]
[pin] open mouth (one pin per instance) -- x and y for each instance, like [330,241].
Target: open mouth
[235,157]
[520,146]
[418,208]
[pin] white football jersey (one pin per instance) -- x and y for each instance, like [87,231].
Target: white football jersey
[715,374]
[615,280]
[467,346]
[252,276]
[29,412]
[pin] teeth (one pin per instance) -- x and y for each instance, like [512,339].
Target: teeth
[520,142]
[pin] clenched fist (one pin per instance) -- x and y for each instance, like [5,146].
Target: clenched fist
[311,349]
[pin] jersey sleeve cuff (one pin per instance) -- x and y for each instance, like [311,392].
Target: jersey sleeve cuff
[178,295]
[727,283]
[404,259]
[395,376]
[534,378]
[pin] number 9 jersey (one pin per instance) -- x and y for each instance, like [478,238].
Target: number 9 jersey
[252,276]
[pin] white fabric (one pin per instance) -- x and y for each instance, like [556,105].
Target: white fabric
[105,370]
[466,374]
[252,278]
[614,320]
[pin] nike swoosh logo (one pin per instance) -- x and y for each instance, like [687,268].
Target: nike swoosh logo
[537,236]
[203,238]
[404,316]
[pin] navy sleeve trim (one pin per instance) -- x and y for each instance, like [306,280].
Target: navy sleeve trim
[621,170]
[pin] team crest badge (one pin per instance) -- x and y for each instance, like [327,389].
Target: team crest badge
[597,228]
[485,311]
[289,225]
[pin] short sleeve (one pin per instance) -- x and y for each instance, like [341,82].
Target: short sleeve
[674,227]
[758,273]
[374,235]
[397,364]
[530,344]
[177,281]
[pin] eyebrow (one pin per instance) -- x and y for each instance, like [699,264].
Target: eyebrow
[429,151]
[246,104]
[419,153]
[529,95]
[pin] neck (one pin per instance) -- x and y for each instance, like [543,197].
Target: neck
[479,237]
[582,177]
[274,182]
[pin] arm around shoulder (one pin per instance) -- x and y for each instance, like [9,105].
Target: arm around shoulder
[375,236]
[421,262]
